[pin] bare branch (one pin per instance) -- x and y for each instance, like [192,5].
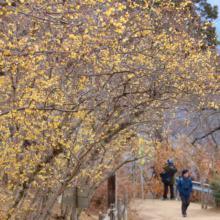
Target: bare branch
[204,136]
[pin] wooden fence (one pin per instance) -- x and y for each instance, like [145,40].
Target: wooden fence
[119,213]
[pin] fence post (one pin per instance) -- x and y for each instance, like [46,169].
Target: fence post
[119,210]
[125,206]
[101,216]
[112,214]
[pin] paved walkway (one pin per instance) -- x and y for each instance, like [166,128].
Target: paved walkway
[150,209]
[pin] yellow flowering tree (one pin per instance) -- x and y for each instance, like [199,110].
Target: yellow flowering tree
[79,78]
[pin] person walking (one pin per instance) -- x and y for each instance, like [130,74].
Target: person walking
[184,185]
[169,167]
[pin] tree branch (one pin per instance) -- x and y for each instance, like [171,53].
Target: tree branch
[115,170]
[211,132]
[127,161]
[4,3]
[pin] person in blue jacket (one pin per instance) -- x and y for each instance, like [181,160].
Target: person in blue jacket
[184,185]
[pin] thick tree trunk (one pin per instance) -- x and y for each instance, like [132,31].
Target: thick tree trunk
[19,195]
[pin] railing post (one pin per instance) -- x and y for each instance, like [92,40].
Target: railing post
[119,210]
[112,214]
[125,206]
[101,216]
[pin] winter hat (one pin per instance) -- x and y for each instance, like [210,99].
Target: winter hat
[171,160]
[185,171]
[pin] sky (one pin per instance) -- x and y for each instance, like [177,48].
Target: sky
[216,2]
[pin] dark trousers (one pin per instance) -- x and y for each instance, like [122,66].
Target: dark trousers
[166,191]
[185,203]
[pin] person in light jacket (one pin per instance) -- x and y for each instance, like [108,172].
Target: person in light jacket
[184,185]
[168,167]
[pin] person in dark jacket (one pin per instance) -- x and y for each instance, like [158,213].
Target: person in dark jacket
[168,167]
[184,185]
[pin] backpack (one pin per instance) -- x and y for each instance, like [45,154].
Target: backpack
[167,180]
[167,176]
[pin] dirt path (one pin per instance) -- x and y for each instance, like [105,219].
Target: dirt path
[170,210]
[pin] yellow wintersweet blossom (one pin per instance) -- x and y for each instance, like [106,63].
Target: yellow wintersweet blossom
[78,87]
